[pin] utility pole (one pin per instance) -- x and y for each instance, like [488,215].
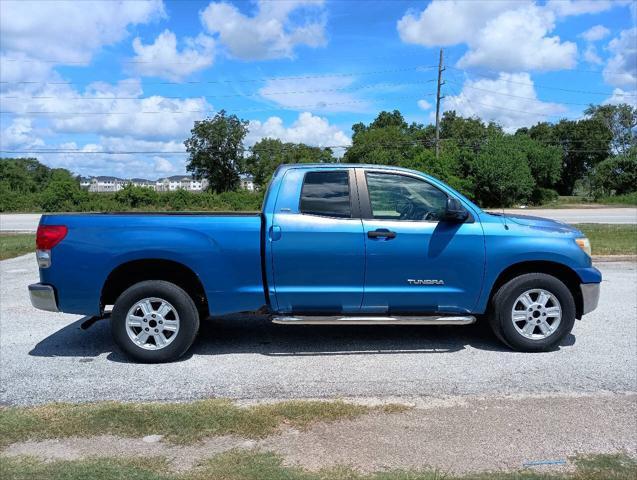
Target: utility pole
[438,98]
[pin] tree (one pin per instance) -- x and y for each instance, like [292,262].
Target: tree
[584,144]
[268,153]
[621,121]
[501,173]
[62,193]
[616,175]
[388,140]
[215,149]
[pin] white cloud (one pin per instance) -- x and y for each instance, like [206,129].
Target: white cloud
[20,134]
[93,159]
[449,23]
[527,29]
[162,58]
[504,35]
[316,94]
[163,165]
[424,104]
[591,56]
[621,69]
[566,8]
[270,33]
[509,100]
[622,96]
[70,31]
[125,111]
[307,128]
[595,33]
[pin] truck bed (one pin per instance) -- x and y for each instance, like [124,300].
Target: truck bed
[222,249]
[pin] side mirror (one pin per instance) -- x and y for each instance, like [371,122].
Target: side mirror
[455,212]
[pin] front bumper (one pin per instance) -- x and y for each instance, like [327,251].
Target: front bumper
[43,297]
[590,296]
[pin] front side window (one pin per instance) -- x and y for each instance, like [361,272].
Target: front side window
[326,193]
[399,197]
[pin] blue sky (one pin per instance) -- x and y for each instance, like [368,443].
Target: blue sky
[84,83]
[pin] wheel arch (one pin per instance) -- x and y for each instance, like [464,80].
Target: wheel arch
[562,272]
[131,272]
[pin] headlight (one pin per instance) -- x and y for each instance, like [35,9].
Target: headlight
[584,244]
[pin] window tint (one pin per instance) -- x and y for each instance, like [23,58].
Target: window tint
[326,193]
[399,197]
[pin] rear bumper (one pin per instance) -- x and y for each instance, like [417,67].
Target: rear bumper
[43,297]
[590,296]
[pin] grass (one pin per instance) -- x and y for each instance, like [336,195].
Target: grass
[609,239]
[575,201]
[16,244]
[252,465]
[178,422]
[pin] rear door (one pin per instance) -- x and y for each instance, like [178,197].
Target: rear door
[416,263]
[317,242]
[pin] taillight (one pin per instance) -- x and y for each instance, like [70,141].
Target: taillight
[49,236]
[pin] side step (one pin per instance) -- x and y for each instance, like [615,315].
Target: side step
[359,320]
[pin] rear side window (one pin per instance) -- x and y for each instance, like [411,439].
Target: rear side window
[326,193]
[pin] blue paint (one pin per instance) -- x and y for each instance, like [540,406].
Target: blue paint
[313,263]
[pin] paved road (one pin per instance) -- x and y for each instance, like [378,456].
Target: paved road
[47,357]
[19,222]
[627,215]
[28,222]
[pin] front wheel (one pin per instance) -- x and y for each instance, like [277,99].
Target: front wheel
[532,312]
[154,321]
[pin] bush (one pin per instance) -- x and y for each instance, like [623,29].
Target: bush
[501,174]
[541,196]
[616,175]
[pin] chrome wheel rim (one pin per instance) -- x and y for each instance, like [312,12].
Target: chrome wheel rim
[536,314]
[152,323]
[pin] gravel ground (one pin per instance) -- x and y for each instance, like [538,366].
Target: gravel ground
[46,357]
[468,435]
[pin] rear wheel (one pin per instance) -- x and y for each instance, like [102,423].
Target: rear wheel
[154,321]
[532,312]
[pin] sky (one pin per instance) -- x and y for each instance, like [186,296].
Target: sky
[114,87]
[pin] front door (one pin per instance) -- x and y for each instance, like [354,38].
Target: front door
[318,247]
[415,262]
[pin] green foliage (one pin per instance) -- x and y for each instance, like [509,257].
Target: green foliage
[616,175]
[60,192]
[136,197]
[621,121]
[267,154]
[584,144]
[388,140]
[63,193]
[501,174]
[215,150]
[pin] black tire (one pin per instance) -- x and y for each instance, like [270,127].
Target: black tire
[184,307]
[502,303]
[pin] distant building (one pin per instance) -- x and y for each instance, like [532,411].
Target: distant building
[247,182]
[142,182]
[104,184]
[167,184]
[180,182]
[85,182]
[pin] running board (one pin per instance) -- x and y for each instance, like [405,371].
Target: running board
[359,320]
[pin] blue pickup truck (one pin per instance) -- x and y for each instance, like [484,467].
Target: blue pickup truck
[335,244]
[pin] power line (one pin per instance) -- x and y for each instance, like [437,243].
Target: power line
[318,105]
[251,94]
[247,80]
[548,87]
[511,95]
